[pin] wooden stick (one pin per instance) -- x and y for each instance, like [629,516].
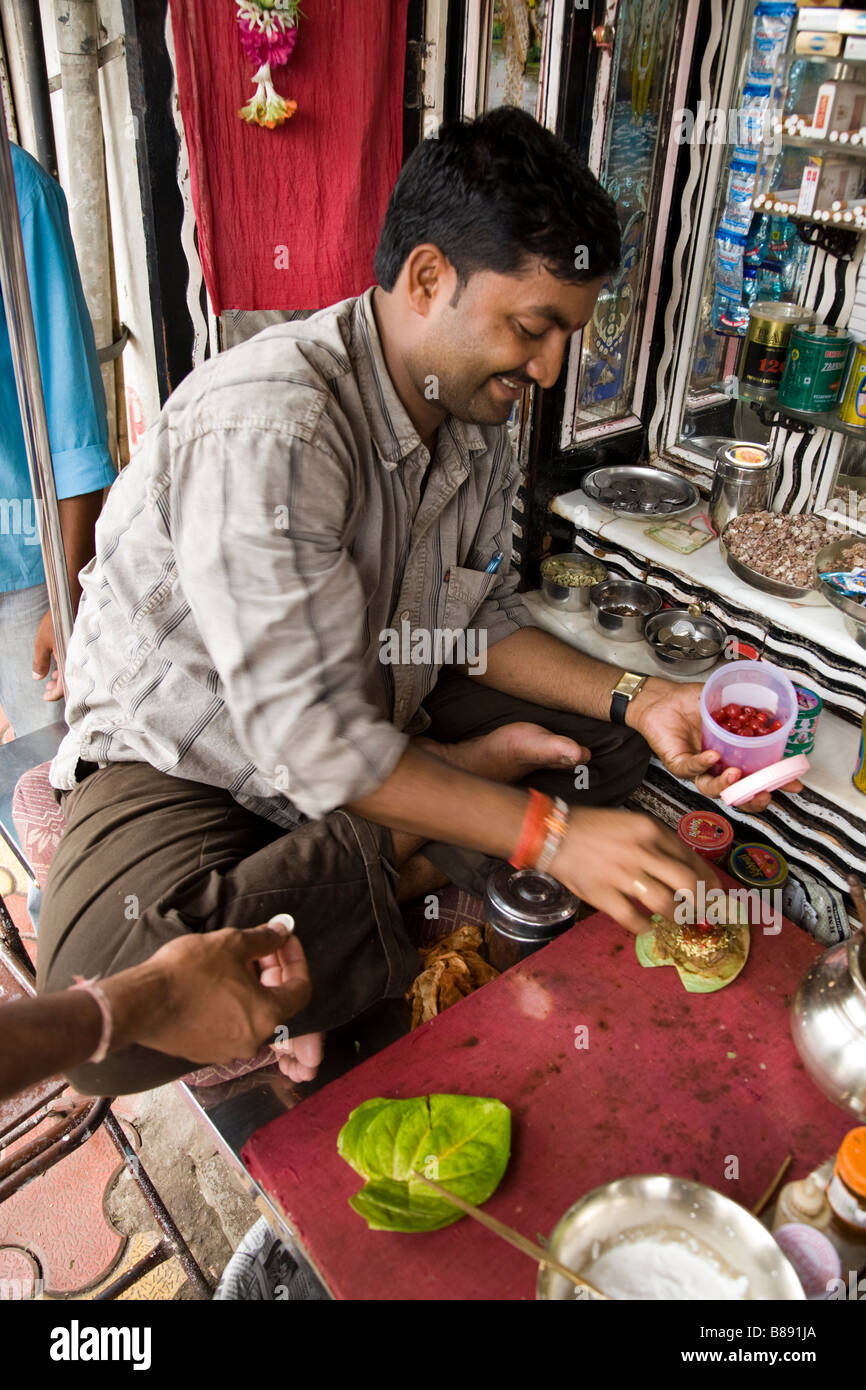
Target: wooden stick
[856,888]
[513,1237]
[765,1197]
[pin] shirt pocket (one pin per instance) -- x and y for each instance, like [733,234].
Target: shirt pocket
[467,589]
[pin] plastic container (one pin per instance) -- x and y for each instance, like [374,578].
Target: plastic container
[758,866]
[756,683]
[707,833]
[846,1190]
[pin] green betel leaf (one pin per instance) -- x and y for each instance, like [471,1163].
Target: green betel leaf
[395,1206]
[462,1142]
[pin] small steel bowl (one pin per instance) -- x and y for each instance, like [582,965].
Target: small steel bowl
[661,1204]
[704,627]
[617,626]
[570,598]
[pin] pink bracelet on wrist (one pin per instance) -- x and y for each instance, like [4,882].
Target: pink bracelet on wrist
[91,987]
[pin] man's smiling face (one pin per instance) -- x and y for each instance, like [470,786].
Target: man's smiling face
[503,333]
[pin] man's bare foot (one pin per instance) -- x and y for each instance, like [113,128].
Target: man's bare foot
[509,753]
[299,1058]
[417,877]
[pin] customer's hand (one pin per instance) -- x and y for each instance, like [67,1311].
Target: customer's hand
[669,717]
[617,859]
[44,654]
[201,996]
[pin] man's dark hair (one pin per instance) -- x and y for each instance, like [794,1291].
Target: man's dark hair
[494,192]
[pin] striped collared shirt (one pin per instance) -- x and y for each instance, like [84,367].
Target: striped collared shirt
[266,568]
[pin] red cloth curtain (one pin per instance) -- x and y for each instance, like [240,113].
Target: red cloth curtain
[316,187]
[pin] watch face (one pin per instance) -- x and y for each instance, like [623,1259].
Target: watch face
[629,684]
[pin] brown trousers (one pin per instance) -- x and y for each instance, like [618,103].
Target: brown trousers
[146,857]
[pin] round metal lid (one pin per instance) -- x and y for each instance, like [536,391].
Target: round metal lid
[747,455]
[527,903]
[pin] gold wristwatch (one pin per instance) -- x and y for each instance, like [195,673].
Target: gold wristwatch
[623,693]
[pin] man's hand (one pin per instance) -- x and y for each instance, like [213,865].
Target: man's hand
[669,717]
[44,652]
[615,859]
[211,1003]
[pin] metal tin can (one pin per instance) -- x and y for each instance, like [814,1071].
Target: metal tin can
[765,346]
[707,833]
[525,909]
[802,736]
[815,367]
[852,407]
[758,866]
[744,477]
[859,778]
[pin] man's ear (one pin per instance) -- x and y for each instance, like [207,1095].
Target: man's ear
[429,275]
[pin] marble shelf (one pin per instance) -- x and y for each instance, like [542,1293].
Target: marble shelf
[807,634]
[812,616]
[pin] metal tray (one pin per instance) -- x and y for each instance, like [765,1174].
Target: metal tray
[655,483]
[760,581]
[828,558]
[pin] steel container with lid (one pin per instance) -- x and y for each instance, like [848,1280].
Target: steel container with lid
[525,909]
[743,481]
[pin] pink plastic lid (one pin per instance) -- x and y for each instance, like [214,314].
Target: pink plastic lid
[767,780]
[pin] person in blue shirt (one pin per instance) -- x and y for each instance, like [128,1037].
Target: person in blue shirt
[78,431]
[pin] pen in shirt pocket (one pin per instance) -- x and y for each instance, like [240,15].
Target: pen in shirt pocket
[495,562]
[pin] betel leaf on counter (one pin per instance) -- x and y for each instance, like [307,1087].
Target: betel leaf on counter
[462,1142]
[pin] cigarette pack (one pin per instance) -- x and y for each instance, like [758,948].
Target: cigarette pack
[855,46]
[808,41]
[851,22]
[825,180]
[840,106]
[824,19]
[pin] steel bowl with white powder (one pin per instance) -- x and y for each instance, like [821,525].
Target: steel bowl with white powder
[660,1237]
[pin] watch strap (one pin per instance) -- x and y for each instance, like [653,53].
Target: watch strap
[619,703]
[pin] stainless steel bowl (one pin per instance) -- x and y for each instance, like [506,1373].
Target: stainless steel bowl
[760,581]
[704,627]
[633,490]
[829,557]
[622,627]
[571,598]
[660,1204]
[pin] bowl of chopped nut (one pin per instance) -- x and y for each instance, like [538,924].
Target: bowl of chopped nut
[775,552]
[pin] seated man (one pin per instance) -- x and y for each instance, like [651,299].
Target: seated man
[257,720]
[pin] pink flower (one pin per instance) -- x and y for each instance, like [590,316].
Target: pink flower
[275,48]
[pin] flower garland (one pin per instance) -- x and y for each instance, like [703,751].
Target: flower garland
[269,32]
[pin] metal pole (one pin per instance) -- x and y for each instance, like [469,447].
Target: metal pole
[77,31]
[36,77]
[25,361]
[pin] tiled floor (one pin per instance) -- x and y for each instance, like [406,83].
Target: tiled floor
[56,1238]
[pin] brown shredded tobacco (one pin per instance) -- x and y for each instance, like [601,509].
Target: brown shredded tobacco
[781,547]
[453,968]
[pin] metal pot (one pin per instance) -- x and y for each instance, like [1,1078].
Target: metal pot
[585,573]
[614,593]
[525,909]
[828,1023]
